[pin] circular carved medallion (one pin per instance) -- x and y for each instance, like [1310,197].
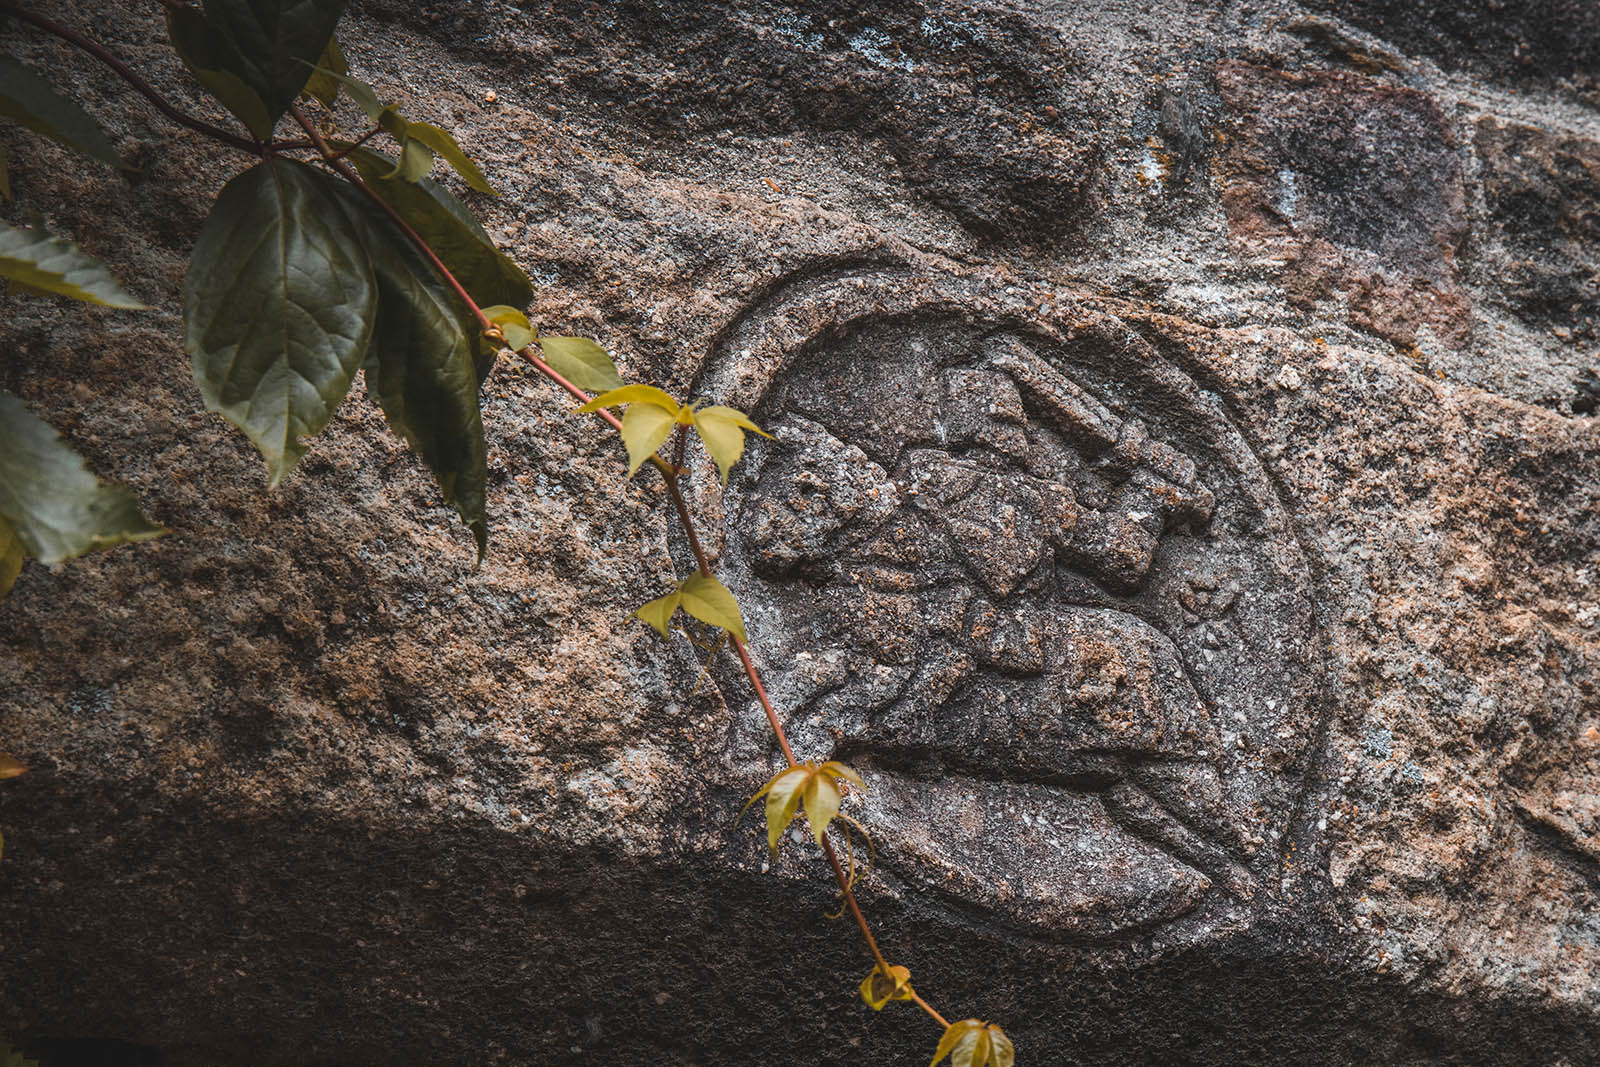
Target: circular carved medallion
[1028,576]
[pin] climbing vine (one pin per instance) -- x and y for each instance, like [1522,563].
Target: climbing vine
[329,257]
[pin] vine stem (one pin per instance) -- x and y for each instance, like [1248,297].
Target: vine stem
[925,1006]
[349,174]
[671,474]
[357,143]
[127,74]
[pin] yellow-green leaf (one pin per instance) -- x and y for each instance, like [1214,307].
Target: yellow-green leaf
[10,766]
[445,145]
[878,988]
[721,430]
[323,85]
[952,1035]
[582,362]
[1003,1054]
[415,161]
[709,600]
[645,427]
[724,441]
[634,394]
[822,804]
[816,787]
[359,91]
[658,613]
[11,556]
[518,331]
[783,797]
[733,415]
[839,770]
[972,1043]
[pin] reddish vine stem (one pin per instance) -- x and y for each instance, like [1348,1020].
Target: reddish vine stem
[925,1006]
[670,474]
[357,143]
[127,74]
[349,174]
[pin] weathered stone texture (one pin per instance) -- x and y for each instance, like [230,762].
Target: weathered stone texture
[1184,509]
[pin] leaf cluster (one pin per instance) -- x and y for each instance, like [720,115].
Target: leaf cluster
[703,597]
[809,787]
[881,986]
[650,415]
[298,281]
[971,1043]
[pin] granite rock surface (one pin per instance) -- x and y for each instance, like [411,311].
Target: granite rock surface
[1184,510]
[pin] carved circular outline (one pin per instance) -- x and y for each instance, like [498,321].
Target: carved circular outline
[810,309]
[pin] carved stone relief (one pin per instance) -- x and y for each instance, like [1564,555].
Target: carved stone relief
[1029,575]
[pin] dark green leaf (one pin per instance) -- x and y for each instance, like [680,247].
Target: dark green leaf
[278,306]
[5,176]
[29,99]
[274,44]
[38,261]
[56,507]
[323,84]
[581,362]
[216,64]
[420,367]
[362,93]
[450,230]
[444,144]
